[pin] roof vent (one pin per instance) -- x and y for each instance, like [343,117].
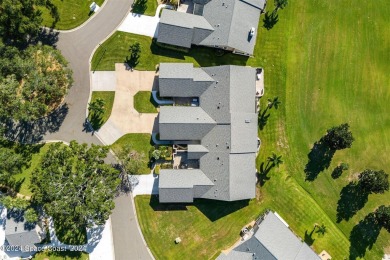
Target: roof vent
[247,120]
[197,118]
[217,158]
[218,107]
[16,229]
[216,82]
[223,4]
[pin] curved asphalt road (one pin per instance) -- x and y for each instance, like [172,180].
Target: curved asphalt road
[77,47]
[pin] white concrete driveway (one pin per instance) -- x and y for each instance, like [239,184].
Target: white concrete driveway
[147,185]
[142,24]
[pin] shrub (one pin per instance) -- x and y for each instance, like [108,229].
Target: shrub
[157,169]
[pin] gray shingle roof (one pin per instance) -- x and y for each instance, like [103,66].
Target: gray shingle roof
[184,179]
[226,23]
[273,240]
[180,29]
[189,81]
[228,136]
[20,233]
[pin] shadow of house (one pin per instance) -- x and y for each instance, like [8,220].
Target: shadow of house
[21,234]
[215,210]
[363,236]
[33,132]
[352,199]
[320,158]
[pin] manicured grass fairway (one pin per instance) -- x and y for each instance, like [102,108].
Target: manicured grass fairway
[138,142]
[144,103]
[65,255]
[328,63]
[146,7]
[72,13]
[108,97]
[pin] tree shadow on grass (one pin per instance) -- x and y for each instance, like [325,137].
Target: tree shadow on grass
[270,19]
[262,175]
[363,236]
[352,199]
[212,209]
[336,173]
[309,240]
[33,132]
[320,158]
[48,37]
[96,121]
[263,119]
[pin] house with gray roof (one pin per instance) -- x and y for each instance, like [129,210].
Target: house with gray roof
[272,240]
[226,24]
[217,136]
[21,234]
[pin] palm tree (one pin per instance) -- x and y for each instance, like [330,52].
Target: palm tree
[96,107]
[275,160]
[280,4]
[321,229]
[274,103]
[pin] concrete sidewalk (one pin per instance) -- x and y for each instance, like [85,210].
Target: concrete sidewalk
[147,185]
[103,81]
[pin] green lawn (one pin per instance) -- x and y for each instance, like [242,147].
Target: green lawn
[144,102]
[140,143]
[328,64]
[116,49]
[23,178]
[72,13]
[108,97]
[65,255]
[146,7]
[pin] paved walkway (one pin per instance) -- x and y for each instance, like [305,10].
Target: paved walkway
[142,24]
[124,118]
[147,185]
[103,81]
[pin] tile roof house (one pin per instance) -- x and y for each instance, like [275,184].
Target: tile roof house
[22,234]
[220,133]
[272,240]
[227,24]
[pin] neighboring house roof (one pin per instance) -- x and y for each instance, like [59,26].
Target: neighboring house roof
[225,23]
[224,125]
[273,240]
[182,29]
[20,233]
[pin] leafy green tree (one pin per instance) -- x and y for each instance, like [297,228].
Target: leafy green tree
[74,185]
[382,215]
[274,160]
[14,204]
[10,163]
[31,216]
[20,21]
[32,82]
[339,137]
[374,181]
